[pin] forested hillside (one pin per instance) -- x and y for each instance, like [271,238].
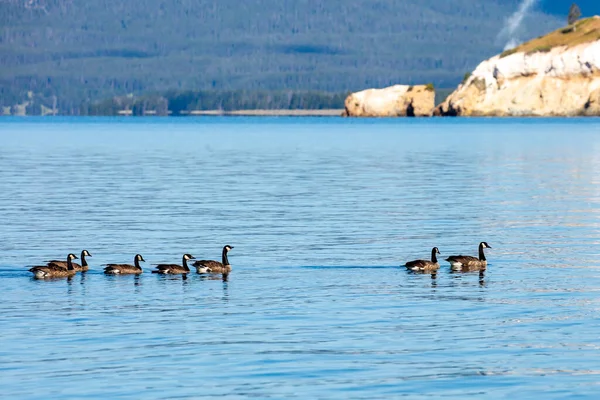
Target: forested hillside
[94,49]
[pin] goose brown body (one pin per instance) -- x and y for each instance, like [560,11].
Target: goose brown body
[215,267]
[425,265]
[78,268]
[55,271]
[174,269]
[470,263]
[125,269]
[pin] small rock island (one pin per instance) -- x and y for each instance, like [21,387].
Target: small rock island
[393,101]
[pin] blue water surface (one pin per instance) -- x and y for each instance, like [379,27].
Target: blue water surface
[322,212]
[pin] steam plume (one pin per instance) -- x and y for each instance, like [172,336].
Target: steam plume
[513,24]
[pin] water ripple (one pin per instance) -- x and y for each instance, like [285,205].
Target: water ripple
[321,214]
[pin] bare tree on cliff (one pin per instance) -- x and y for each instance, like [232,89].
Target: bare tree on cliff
[574,14]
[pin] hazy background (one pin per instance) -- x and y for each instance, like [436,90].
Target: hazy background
[94,49]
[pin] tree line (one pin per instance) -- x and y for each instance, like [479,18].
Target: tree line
[180,103]
[183,102]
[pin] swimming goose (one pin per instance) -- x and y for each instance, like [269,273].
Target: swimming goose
[467,263]
[122,269]
[55,271]
[215,267]
[174,269]
[424,265]
[63,264]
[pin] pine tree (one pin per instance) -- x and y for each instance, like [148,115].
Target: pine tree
[574,14]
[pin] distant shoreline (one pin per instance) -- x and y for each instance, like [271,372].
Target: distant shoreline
[267,113]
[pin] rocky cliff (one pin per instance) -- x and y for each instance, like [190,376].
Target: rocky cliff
[553,75]
[393,101]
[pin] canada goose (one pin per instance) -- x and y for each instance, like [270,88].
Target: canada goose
[55,271]
[174,269]
[63,264]
[468,262]
[122,269]
[215,267]
[424,265]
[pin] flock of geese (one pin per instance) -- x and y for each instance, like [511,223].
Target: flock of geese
[60,269]
[65,269]
[457,263]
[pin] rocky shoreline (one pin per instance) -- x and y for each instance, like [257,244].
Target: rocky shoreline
[554,75]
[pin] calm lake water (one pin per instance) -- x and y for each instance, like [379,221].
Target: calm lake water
[322,213]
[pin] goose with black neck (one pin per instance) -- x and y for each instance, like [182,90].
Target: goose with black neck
[55,271]
[425,265]
[174,269]
[470,263]
[215,267]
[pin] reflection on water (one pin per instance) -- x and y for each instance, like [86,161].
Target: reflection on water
[322,214]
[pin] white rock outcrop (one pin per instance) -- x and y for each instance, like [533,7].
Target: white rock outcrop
[562,81]
[393,101]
